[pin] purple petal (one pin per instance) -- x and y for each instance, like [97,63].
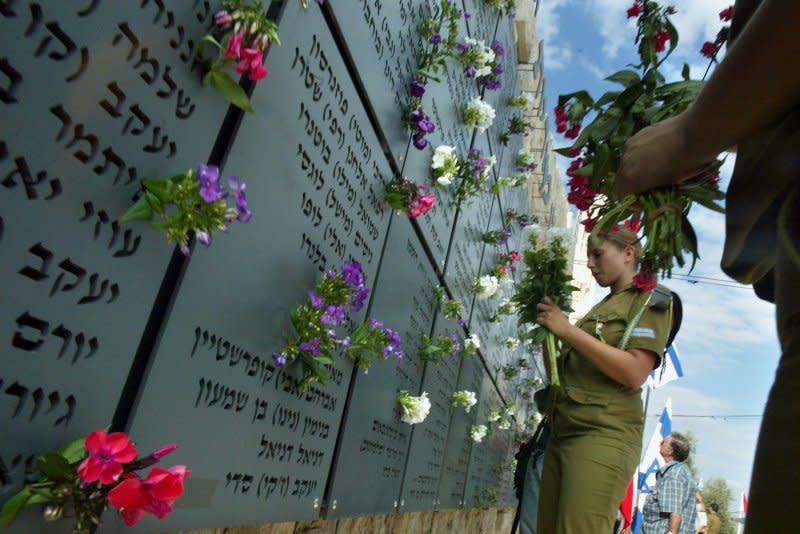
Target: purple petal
[203,237]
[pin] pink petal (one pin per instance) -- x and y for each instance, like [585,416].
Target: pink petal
[95,440]
[131,516]
[116,442]
[110,472]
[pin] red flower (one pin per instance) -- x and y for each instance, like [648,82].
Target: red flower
[661,39]
[155,495]
[635,10]
[645,281]
[107,453]
[561,126]
[633,225]
[234,46]
[726,13]
[251,64]
[561,114]
[574,151]
[573,132]
[708,49]
[714,180]
[589,224]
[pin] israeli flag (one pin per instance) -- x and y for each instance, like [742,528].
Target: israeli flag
[669,370]
[652,461]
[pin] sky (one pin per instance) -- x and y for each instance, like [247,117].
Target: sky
[728,342]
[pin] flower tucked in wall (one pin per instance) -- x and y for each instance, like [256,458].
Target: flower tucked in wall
[446,165]
[479,114]
[415,409]
[486,286]
[525,101]
[471,344]
[84,476]
[510,181]
[246,34]
[506,264]
[497,237]
[511,343]
[520,218]
[516,126]
[465,398]
[451,308]
[434,50]
[506,307]
[478,432]
[317,321]
[504,7]
[481,62]
[476,172]
[525,161]
[191,201]
[411,198]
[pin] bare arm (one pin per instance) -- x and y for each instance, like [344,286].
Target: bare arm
[758,80]
[674,522]
[628,367]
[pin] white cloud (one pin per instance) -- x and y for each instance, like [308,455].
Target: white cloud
[556,57]
[548,23]
[592,67]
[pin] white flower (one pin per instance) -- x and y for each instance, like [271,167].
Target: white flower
[483,71]
[524,158]
[465,398]
[441,155]
[478,432]
[486,286]
[509,409]
[472,343]
[479,114]
[512,343]
[529,100]
[445,179]
[415,409]
[505,424]
[493,416]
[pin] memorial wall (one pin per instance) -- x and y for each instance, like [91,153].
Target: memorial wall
[107,324]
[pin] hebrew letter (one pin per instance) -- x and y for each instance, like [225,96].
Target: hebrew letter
[200,393]
[27,320]
[37,395]
[66,337]
[24,173]
[127,248]
[70,410]
[91,296]
[14,77]
[78,136]
[40,273]
[145,59]
[184,107]
[77,271]
[152,147]
[19,391]
[110,158]
[69,44]
[143,118]
[241,400]
[114,109]
[126,31]
[163,93]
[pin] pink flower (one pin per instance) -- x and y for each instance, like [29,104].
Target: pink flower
[233,50]
[708,49]
[223,19]
[107,454]
[645,281]
[251,64]
[426,202]
[726,13]
[635,10]
[661,39]
[633,225]
[155,495]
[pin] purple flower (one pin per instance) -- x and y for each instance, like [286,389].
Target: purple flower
[346,342]
[279,359]
[426,126]
[312,346]
[244,215]
[492,84]
[186,251]
[375,324]
[462,322]
[203,237]
[419,141]
[358,300]
[467,15]
[498,48]
[208,176]
[316,300]
[498,69]
[436,39]
[456,342]
[462,48]
[333,316]
[351,273]
[417,89]
[469,70]
[417,115]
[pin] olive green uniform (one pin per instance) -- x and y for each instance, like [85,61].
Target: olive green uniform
[596,422]
[762,247]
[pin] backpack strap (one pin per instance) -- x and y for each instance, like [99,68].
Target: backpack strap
[626,336]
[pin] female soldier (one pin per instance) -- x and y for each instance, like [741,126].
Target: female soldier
[596,414]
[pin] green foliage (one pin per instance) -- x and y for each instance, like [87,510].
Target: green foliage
[716,490]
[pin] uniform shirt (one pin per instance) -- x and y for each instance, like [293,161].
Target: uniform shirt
[714,523]
[589,402]
[674,492]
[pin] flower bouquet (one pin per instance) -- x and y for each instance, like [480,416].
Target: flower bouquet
[643,99]
[84,476]
[411,198]
[546,275]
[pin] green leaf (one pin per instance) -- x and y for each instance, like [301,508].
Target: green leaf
[13,507]
[624,77]
[229,89]
[673,37]
[54,466]
[607,97]
[581,96]
[603,126]
[140,211]
[602,162]
[324,360]
[685,72]
[159,187]
[586,170]
[74,451]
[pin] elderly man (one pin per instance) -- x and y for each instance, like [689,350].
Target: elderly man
[670,508]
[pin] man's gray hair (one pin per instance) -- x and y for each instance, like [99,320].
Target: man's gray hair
[680,446]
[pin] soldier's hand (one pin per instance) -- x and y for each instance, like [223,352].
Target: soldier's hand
[551,317]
